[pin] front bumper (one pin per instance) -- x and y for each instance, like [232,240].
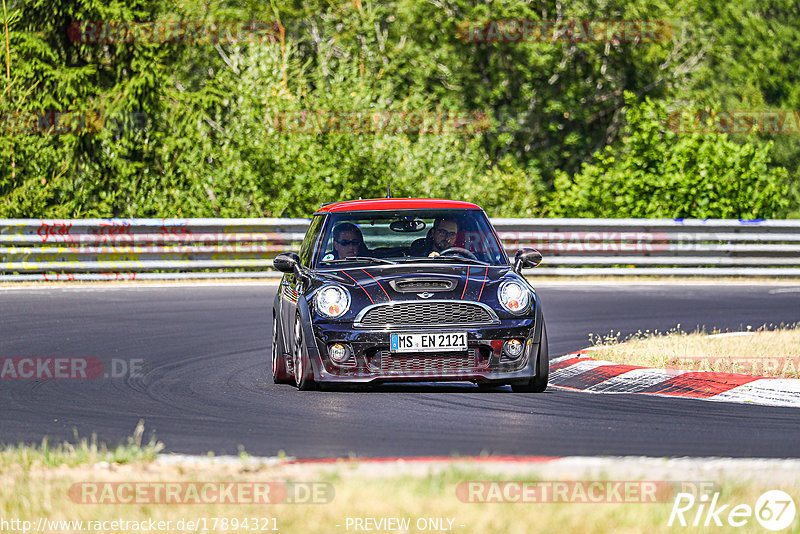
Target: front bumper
[370,360]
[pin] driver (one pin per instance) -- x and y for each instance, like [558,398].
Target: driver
[347,241]
[441,237]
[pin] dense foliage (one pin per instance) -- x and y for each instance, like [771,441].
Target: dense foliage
[655,172]
[574,128]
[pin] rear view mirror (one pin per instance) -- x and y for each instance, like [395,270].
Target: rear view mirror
[407,225]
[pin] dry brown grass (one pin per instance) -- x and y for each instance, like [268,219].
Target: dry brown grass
[763,352]
[44,492]
[35,484]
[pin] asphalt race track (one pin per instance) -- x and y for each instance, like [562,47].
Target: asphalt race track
[205,384]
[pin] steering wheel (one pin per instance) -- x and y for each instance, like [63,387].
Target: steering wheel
[460,251]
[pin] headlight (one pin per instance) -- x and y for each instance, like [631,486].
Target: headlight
[514,296]
[332,301]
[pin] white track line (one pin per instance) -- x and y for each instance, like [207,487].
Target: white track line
[767,391]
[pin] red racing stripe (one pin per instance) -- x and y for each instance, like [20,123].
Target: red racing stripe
[359,285]
[485,275]
[701,385]
[465,285]
[379,284]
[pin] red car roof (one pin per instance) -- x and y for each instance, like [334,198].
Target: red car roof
[374,204]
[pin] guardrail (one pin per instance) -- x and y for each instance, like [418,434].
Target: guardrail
[127,249]
[695,247]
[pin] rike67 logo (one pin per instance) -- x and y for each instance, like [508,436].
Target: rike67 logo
[774,510]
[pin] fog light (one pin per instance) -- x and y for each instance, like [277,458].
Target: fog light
[337,352]
[513,348]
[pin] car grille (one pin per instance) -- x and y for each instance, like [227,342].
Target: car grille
[426,314]
[433,365]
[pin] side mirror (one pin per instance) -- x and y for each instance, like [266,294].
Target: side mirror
[286,262]
[527,258]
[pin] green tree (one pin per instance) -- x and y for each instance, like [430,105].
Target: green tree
[49,71]
[189,126]
[657,173]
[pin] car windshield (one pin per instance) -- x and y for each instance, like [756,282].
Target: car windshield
[381,237]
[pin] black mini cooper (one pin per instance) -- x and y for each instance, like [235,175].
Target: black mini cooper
[401,290]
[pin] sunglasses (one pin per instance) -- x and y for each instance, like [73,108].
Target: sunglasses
[445,233]
[348,242]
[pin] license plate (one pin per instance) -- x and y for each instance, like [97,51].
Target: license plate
[429,342]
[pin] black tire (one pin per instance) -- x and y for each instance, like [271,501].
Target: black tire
[538,383]
[301,364]
[280,373]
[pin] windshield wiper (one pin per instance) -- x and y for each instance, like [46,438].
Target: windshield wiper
[362,258]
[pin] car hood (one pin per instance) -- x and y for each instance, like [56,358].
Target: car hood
[383,283]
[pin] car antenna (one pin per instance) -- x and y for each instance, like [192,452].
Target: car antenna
[388,192]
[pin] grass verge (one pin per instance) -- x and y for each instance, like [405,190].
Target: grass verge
[84,451]
[44,489]
[429,499]
[766,351]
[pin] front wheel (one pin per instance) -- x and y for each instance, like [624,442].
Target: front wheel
[280,374]
[303,375]
[538,383]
